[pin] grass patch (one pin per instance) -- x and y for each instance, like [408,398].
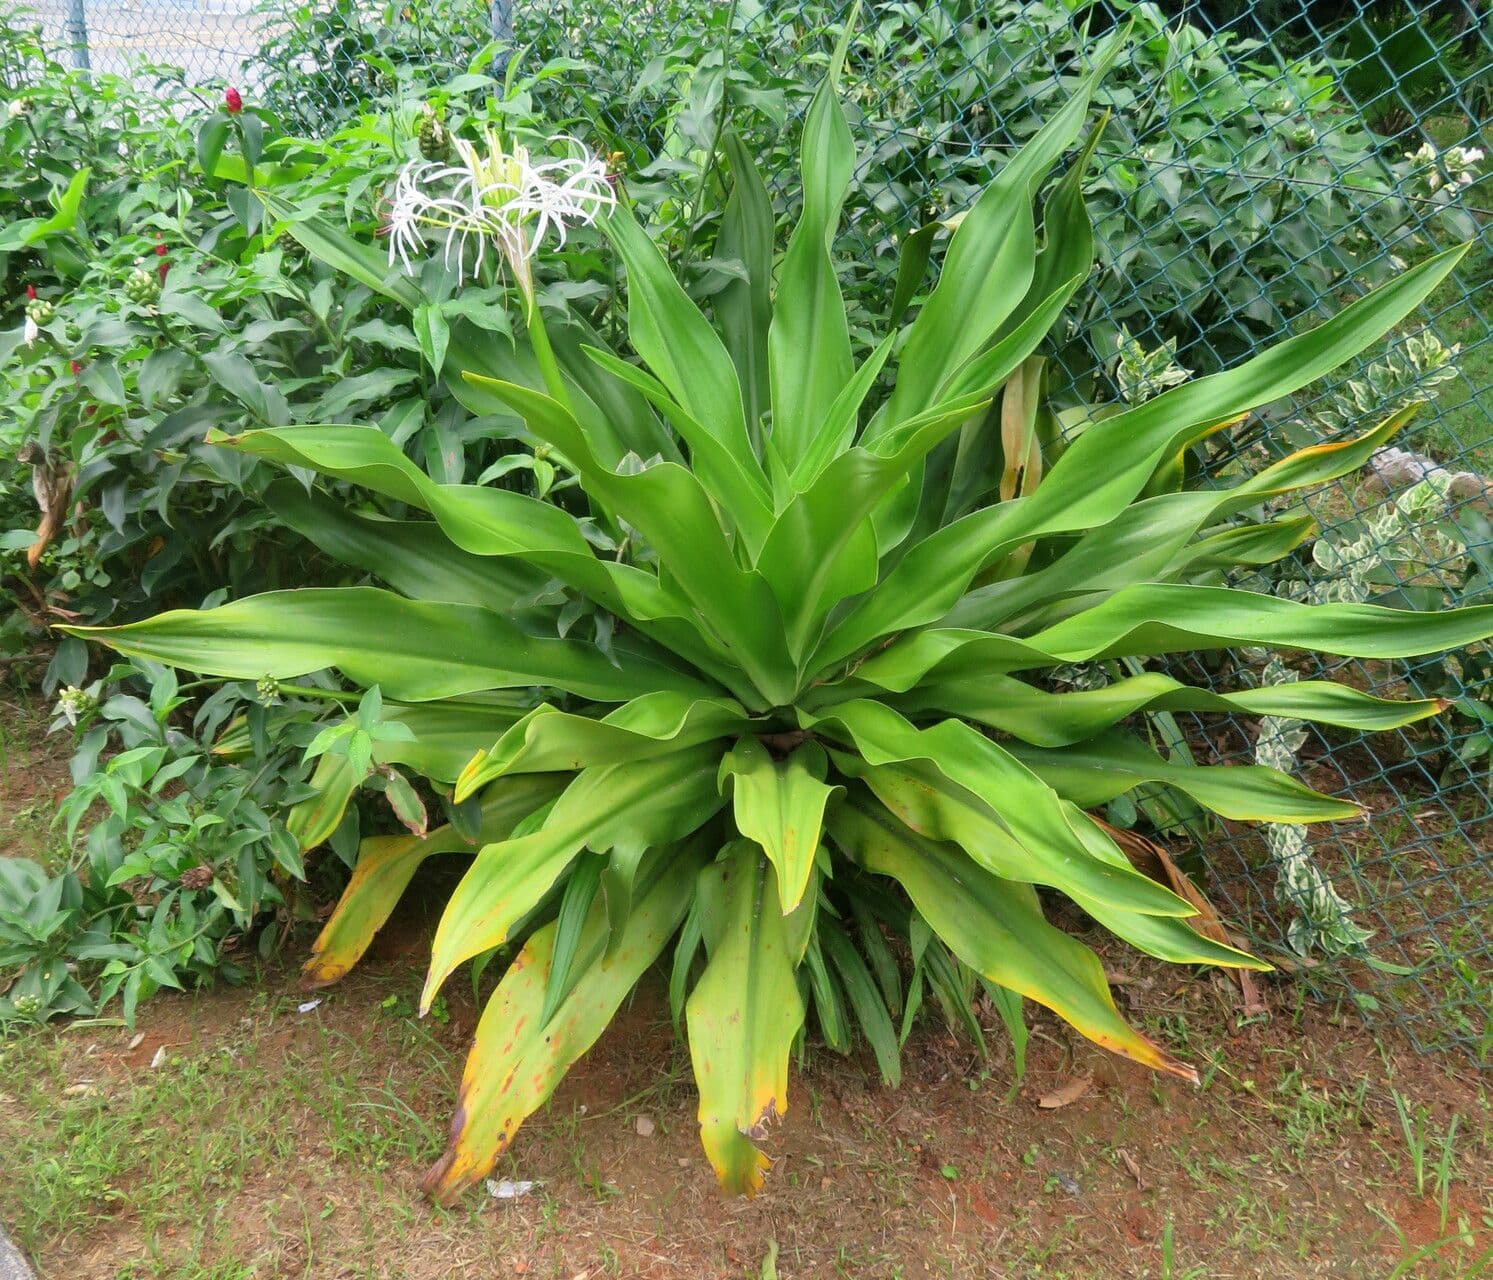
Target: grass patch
[272,1143]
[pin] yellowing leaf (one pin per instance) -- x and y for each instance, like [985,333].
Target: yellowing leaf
[743,1015]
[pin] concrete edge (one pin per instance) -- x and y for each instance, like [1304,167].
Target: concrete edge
[13,1263]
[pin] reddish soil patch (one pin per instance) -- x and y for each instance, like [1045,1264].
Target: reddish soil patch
[1287,1163]
[33,778]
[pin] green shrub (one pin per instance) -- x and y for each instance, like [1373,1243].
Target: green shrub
[1231,193]
[322,63]
[169,305]
[186,854]
[803,732]
[1402,62]
[166,304]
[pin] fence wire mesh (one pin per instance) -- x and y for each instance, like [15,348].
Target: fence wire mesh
[1263,163]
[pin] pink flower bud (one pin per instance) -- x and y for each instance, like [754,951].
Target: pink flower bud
[233,101]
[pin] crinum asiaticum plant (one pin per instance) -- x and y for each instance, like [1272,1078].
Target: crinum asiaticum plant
[819,718]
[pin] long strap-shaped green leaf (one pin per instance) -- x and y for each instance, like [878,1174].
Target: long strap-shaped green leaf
[518,1058]
[1119,898]
[809,340]
[415,650]
[831,513]
[740,494]
[496,523]
[991,276]
[780,805]
[996,928]
[957,478]
[1067,247]
[1093,773]
[386,865]
[928,490]
[653,725]
[1145,541]
[743,307]
[412,556]
[1154,619]
[1115,459]
[833,517]
[1046,838]
[989,264]
[1057,719]
[838,429]
[743,1013]
[667,504]
[1150,620]
[927,801]
[622,423]
[1244,544]
[678,343]
[637,805]
[1109,463]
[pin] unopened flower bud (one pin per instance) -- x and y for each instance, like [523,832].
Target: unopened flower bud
[142,288]
[435,139]
[233,101]
[41,311]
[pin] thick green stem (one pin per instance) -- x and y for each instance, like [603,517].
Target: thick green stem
[549,367]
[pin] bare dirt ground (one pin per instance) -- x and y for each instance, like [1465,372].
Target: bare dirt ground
[230,1135]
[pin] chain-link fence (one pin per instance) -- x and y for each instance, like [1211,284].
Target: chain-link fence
[206,39]
[1264,162]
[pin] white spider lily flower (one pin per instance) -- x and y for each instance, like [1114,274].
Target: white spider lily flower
[406,203]
[31,331]
[494,196]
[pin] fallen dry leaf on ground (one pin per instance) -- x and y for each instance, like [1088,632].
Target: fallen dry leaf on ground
[1131,1167]
[1070,1091]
